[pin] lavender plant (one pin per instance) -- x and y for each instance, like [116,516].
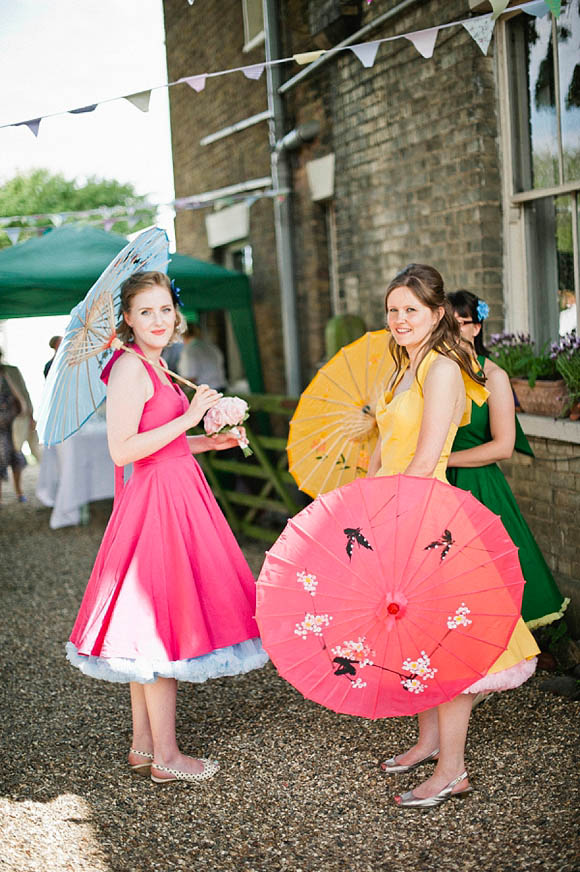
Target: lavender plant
[566,356]
[515,353]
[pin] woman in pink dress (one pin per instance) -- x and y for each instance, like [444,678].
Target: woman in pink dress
[171,596]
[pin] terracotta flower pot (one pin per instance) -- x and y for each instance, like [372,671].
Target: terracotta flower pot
[545,398]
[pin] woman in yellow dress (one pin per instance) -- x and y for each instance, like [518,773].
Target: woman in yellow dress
[428,397]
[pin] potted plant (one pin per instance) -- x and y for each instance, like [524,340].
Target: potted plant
[566,354]
[536,381]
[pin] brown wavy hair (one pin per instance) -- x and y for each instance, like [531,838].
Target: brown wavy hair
[140,281]
[426,283]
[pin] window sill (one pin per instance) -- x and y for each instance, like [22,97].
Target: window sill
[560,429]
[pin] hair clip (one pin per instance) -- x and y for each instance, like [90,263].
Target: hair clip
[482,310]
[176,292]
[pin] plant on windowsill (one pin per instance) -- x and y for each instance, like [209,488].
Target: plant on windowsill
[537,384]
[566,355]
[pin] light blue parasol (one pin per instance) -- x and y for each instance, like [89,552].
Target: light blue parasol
[74,390]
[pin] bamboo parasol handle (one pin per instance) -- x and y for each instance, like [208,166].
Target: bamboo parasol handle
[117,344]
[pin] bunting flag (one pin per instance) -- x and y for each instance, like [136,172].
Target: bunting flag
[140,100]
[538,9]
[195,82]
[498,7]
[13,234]
[83,109]
[307,57]
[366,52]
[481,29]
[253,72]
[424,41]
[32,125]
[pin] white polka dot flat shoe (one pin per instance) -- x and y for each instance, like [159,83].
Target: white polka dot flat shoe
[210,767]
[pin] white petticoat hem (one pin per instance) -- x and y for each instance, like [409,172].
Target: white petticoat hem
[505,679]
[233,660]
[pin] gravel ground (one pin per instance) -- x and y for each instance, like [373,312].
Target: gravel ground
[299,787]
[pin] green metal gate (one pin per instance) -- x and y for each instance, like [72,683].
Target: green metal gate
[257,494]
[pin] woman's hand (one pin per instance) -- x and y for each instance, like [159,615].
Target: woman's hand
[221,441]
[203,399]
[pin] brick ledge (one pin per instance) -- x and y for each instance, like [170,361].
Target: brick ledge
[561,430]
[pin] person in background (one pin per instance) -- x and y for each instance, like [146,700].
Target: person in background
[16,425]
[201,361]
[491,435]
[54,343]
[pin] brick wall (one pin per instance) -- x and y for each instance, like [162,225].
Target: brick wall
[204,38]
[547,489]
[417,169]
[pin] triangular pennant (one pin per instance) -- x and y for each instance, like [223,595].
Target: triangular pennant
[498,7]
[191,2]
[195,82]
[538,9]
[83,109]
[140,100]
[253,72]
[57,219]
[13,234]
[306,57]
[554,7]
[32,125]
[481,29]
[366,53]
[424,41]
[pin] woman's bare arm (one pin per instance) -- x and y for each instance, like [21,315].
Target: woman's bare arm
[128,390]
[501,423]
[444,400]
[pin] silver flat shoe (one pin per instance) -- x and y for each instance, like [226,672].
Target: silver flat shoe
[210,767]
[391,765]
[409,800]
[141,768]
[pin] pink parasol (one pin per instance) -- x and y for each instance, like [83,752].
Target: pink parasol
[389,596]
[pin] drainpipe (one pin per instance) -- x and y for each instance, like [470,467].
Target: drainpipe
[281,179]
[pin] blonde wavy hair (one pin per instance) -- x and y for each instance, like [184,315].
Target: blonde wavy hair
[426,283]
[141,281]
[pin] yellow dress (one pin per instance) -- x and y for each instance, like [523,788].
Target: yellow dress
[399,421]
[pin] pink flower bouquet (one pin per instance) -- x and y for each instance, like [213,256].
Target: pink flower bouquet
[226,416]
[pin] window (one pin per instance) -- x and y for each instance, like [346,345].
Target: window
[542,191]
[253,24]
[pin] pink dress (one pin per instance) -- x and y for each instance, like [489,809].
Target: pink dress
[170,593]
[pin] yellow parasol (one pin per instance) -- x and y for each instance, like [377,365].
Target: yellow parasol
[333,431]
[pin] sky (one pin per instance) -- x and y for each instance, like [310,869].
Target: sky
[57,55]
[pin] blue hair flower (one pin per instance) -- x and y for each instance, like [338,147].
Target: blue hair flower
[482,310]
[176,293]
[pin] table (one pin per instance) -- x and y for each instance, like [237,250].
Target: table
[75,473]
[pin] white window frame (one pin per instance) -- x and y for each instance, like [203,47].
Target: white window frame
[517,281]
[251,41]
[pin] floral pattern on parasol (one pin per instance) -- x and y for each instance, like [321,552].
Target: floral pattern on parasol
[394,628]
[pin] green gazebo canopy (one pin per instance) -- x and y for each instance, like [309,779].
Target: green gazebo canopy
[50,274]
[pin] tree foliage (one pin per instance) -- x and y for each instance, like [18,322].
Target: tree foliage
[40,192]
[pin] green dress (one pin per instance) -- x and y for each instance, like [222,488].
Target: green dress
[542,601]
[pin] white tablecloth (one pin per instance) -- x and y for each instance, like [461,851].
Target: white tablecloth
[76,472]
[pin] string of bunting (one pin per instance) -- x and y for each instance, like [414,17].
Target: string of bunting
[109,215]
[479,28]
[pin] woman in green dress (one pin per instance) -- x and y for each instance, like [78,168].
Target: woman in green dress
[491,436]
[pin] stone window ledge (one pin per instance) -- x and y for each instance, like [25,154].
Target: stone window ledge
[561,430]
